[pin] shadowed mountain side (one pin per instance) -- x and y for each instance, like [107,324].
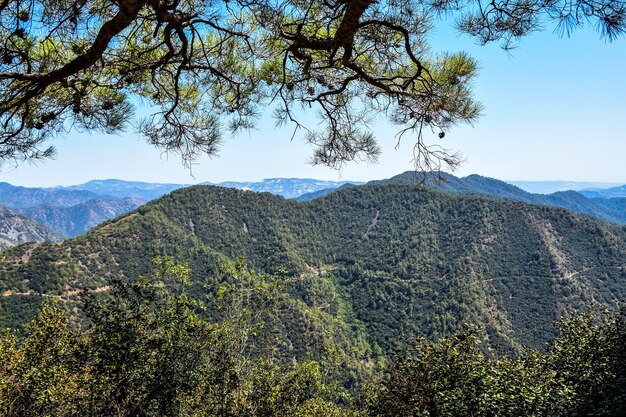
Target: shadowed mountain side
[75,220]
[16,229]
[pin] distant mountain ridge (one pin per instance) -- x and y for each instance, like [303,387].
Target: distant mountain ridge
[71,211]
[549,187]
[75,220]
[303,189]
[123,189]
[16,229]
[609,209]
[17,197]
[613,210]
[286,187]
[613,192]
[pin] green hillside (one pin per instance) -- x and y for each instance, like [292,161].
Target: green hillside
[375,263]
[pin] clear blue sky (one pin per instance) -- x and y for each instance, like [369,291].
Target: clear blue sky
[554,110]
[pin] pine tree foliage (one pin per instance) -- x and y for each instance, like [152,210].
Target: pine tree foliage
[200,65]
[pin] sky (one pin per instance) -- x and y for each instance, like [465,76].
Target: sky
[555,109]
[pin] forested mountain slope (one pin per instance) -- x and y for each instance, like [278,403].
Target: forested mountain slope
[610,209]
[381,262]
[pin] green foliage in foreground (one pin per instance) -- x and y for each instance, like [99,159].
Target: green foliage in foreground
[150,351]
[582,374]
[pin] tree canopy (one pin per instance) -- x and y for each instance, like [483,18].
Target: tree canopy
[202,67]
[147,349]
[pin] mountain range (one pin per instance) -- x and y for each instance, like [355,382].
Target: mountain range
[549,187]
[78,219]
[286,187]
[381,261]
[613,192]
[609,209]
[17,197]
[73,210]
[121,189]
[68,212]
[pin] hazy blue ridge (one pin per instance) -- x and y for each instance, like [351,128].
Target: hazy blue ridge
[75,220]
[286,187]
[17,197]
[614,192]
[549,187]
[121,189]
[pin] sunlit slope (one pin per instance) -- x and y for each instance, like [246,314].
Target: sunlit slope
[394,260]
